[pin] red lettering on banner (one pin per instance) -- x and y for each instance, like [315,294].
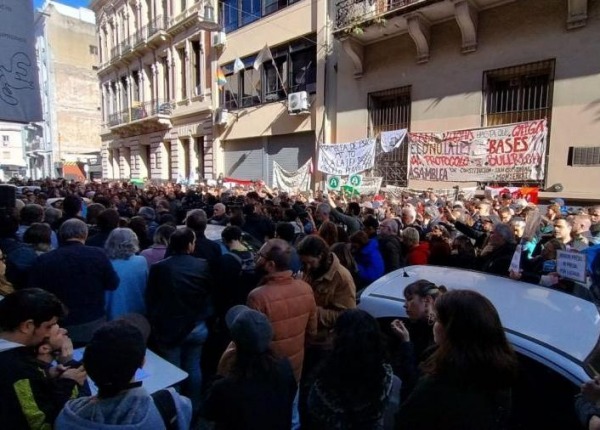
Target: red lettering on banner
[415,160]
[528,128]
[508,145]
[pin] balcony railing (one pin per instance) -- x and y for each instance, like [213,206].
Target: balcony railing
[155,26]
[351,12]
[114,52]
[125,46]
[140,111]
[185,14]
[138,37]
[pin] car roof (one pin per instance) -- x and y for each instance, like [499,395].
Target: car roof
[560,321]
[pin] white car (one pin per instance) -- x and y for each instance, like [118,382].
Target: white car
[554,334]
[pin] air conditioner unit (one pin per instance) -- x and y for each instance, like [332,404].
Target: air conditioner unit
[221,116]
[298,103]
[219,39]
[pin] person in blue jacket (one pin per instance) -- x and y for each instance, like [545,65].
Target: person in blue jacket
[368,258]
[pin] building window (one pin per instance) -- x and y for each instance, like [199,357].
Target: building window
[183,74]
[5,140]
[250,11]
[519,93]
[197,66]
[275,79]
[303,70]
[390,110]
[237,13]
[584,156]
[230,92]
[250,87]
[293,69]
[93,50]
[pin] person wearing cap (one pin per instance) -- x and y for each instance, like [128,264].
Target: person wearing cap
[31,397]
[561,204]
[259,392]
[111,359]
[288,303]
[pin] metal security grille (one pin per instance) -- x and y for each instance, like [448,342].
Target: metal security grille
[390,110]
[519,93]
[584,156]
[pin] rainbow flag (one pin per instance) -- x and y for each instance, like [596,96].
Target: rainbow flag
[221,80]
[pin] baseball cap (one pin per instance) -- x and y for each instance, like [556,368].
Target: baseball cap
[250,330]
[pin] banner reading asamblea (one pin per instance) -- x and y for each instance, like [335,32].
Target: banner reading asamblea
[514,152]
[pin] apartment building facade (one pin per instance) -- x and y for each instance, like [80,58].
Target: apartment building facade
[67,60]
[12,151]
[155,81]
[442,65]
[271,110]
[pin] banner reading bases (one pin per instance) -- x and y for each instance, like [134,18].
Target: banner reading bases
[513,152]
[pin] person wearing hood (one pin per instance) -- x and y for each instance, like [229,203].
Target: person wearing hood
[111,359]
[367,256]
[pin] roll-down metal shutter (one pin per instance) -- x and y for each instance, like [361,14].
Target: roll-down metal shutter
[244,159]
[290,151]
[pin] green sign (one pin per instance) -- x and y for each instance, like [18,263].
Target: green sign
[355,180]
[350,191]
[334,182]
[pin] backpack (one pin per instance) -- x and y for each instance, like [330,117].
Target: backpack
[248,264]
[164,402]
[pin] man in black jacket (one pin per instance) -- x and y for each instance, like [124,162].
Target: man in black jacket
[79,275]
[31,398]
[178,302]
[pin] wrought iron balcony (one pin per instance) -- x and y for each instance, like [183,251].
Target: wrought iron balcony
[201,13]
[352,12]
[151,110]
[155,26]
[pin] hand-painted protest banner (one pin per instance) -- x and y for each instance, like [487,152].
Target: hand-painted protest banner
[391,140]
[514,152]
[19,87]
[292,182]
[347,158]
[572,265]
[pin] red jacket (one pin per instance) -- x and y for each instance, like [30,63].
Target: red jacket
[418,254]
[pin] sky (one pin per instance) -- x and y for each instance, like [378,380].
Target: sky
[75,3]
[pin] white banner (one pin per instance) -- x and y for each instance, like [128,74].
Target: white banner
[19,88]
[347,158]
[391,140]
[370,186]
[512,152]
[292,182]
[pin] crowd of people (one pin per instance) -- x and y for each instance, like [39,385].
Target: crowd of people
[264,319]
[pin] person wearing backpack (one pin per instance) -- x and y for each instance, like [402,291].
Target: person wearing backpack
[111,359]
[237,272]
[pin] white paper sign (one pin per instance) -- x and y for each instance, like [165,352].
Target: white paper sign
[347,158]
[291,182]
[391,140]
[515,263]
[19,87]
[571,265]
[370,185]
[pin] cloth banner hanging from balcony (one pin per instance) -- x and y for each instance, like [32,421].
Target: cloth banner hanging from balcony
[292,182]
[507,153]
[391,140]
[347,158]
[19,86]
